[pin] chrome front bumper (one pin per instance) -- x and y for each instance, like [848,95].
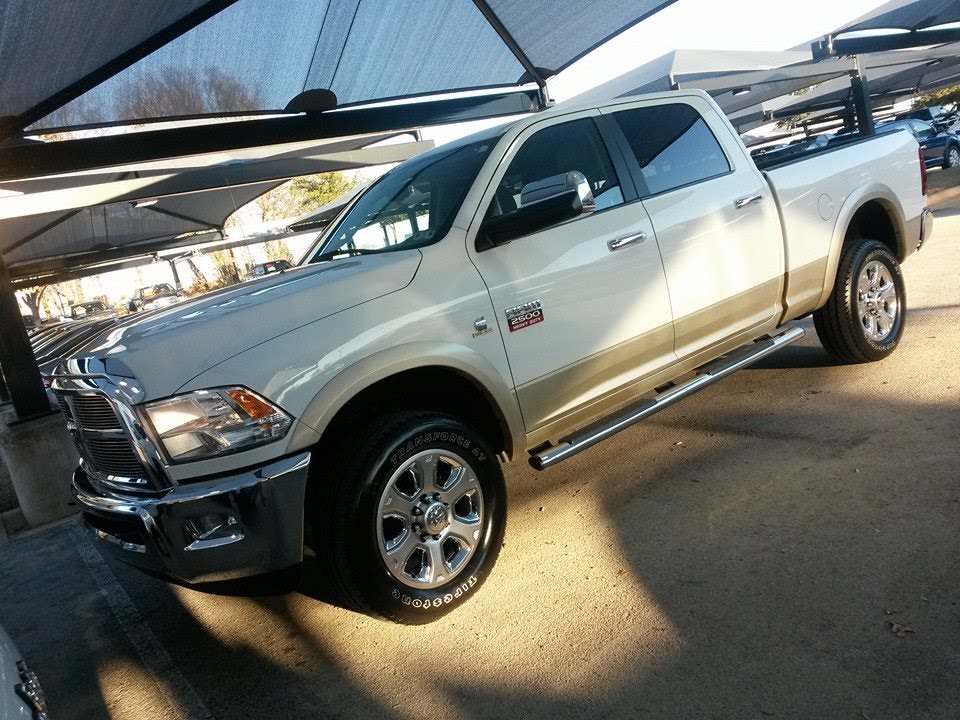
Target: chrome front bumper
[222,529]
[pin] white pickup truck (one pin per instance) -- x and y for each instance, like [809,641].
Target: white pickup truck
[478,303]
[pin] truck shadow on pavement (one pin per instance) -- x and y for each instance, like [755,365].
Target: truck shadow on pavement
[794,546]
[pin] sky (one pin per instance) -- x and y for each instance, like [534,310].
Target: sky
[695,25]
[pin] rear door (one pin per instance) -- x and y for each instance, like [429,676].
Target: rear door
[597,313]
[715,219]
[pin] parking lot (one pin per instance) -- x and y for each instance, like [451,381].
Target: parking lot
[783,545]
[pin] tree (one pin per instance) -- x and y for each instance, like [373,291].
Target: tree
[31,298]
[318,190]
[303,194]
[278,250]
[227,273]
[794,122]
[945,96]
[181,90]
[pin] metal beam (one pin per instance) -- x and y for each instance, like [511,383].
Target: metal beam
[832,46]
[38,268]
[201,180]
[38,159]
[861,99]
[16,356]
[537,75]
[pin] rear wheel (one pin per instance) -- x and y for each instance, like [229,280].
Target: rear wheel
[414,517]
[864,316]
[952,157]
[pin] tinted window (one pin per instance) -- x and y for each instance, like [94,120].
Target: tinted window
[411,206]
[673,145]
[557,150]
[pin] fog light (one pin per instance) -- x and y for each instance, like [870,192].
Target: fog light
[210,531]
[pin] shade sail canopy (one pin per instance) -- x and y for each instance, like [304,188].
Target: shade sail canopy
[891,76]
[692,68]
[909,15]
[96,216]
[120,61]
[898,24]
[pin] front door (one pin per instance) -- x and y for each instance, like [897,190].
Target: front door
[582,306]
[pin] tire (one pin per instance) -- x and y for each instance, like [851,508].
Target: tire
[413,524]
[864,316]
[951,158]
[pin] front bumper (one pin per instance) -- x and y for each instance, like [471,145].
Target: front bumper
[222,529]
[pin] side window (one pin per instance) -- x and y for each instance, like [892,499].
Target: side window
[557,150]
[922,130]
[673,145]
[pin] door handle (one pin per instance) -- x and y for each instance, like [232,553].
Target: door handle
[741,203]
[622,242]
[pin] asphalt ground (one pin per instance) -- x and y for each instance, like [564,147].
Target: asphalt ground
[782,545]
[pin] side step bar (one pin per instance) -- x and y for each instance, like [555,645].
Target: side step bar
[706,375]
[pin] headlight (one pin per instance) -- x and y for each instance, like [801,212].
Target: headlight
[206,423]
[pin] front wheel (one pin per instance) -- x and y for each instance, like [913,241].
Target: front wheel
[416,517]
[864,316]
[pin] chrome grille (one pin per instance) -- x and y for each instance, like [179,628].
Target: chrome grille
[100,435]
[113,456]
[94,412]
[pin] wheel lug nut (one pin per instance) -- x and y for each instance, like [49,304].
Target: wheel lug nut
[436,537]
[424,498]
[423,537]
[436,496]
[416,527]
[417,511]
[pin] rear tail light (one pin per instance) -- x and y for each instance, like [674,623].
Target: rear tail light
[923,172]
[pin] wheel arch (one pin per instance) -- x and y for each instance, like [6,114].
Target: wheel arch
[872,212]
[460,382]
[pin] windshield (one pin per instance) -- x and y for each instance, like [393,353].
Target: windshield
[411,206]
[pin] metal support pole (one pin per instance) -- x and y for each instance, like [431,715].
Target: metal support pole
[861,99]
[16,356]
[176,275]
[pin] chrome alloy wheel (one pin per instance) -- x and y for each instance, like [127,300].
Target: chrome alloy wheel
[877,300]
[429,519]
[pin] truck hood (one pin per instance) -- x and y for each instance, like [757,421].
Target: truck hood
[167,349]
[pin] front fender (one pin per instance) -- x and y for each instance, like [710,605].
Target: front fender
[411,356]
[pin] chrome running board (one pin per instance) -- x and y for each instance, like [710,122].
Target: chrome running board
[706,375]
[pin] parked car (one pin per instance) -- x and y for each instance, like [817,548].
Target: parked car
[584,267]
[153,297]
[936,115]
[92,309]
[273,266]
[940,149]
[21,697]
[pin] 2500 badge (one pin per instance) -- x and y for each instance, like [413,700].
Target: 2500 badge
[525,315]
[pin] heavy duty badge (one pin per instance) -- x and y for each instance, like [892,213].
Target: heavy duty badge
[524,315]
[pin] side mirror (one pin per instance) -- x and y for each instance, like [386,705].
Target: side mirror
[543,203]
